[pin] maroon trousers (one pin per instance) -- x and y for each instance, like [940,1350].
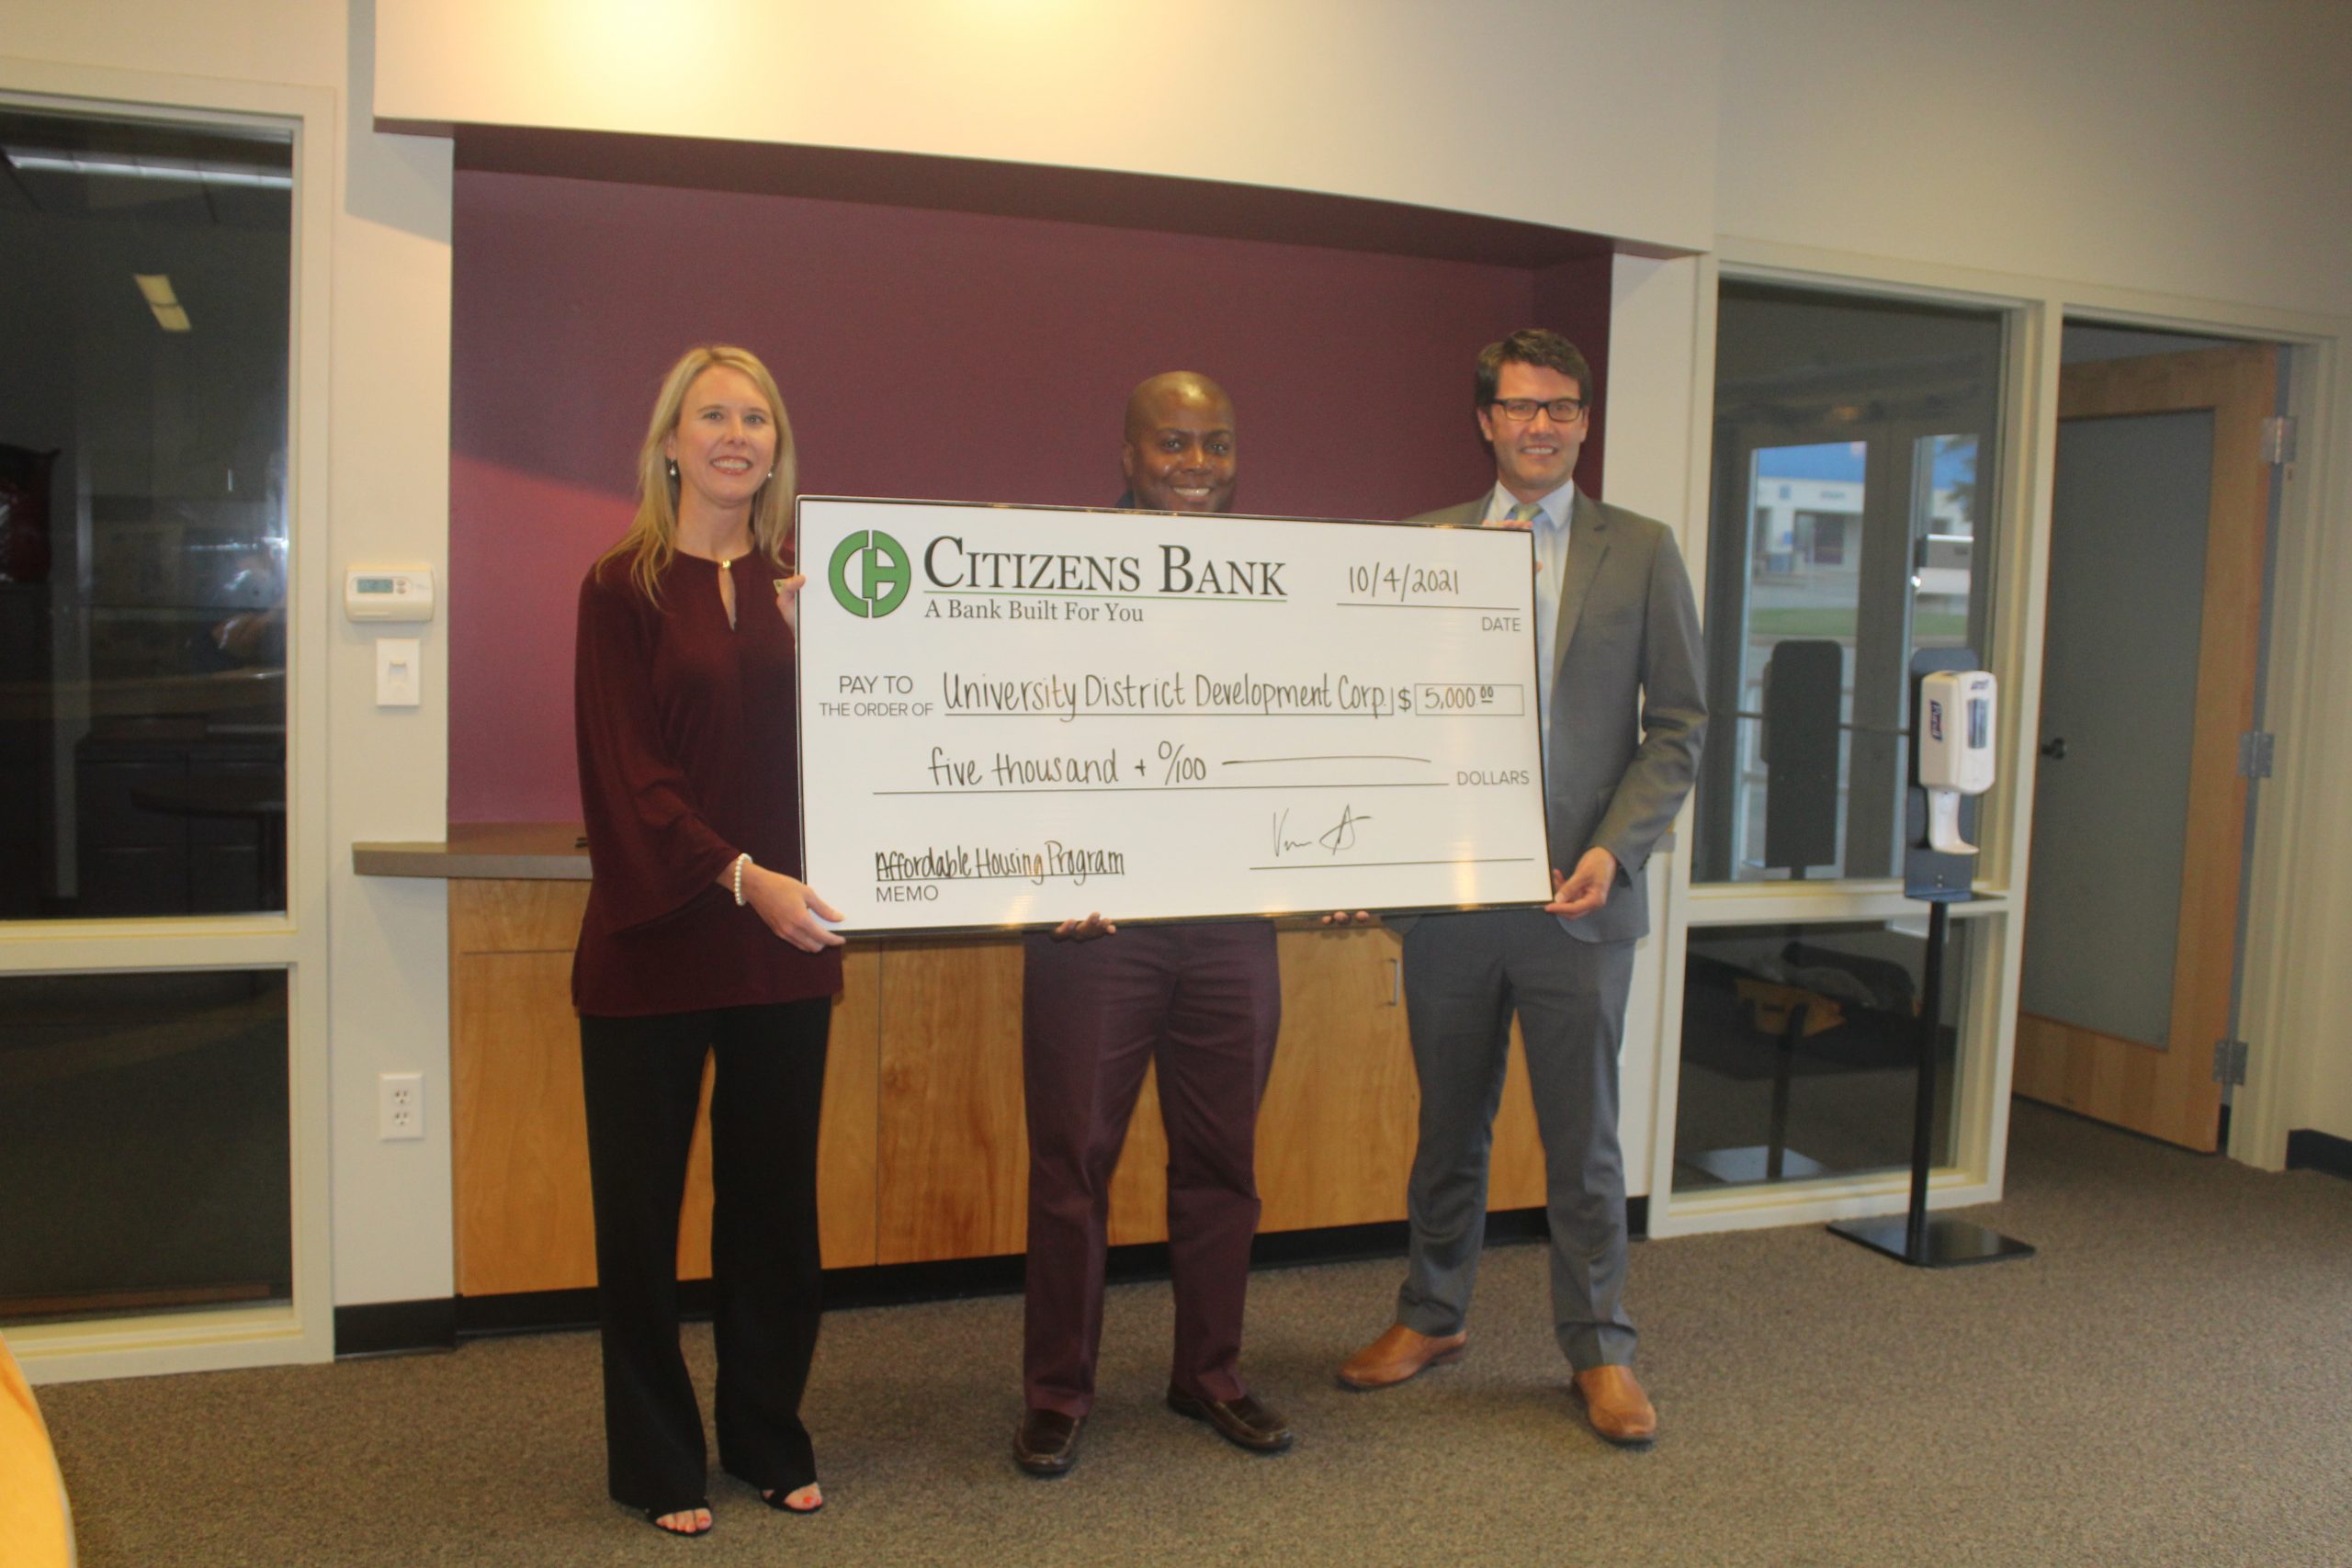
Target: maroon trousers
[1204,1002]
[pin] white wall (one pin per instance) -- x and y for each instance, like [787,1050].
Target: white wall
[2183,147]
[2308,913]
[1394,99]
[389,768]
[1653,341]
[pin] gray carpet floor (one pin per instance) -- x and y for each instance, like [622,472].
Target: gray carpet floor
[2169,1381]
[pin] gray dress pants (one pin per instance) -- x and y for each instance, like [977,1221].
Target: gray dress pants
[1465,976]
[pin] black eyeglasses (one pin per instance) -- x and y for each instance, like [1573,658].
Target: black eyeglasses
[1521,410]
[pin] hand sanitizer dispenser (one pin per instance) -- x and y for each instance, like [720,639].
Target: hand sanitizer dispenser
[1956,711]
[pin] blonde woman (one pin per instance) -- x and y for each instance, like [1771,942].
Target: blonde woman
[700,940]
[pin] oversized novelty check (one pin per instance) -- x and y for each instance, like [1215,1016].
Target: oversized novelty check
[1017,715]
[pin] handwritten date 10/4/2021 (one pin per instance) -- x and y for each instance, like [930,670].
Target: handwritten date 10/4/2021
[1400,584]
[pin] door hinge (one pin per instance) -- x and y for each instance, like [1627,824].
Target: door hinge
[2257,750]
[2229,1060]
[2278,439]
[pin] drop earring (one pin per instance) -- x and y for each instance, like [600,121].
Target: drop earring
[674,471]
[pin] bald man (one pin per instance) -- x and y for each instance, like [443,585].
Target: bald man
[1099,1006]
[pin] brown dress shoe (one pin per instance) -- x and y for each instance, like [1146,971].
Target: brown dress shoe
[1046,1443]
[1398,1355]
[1242,1422]
[1619,1410]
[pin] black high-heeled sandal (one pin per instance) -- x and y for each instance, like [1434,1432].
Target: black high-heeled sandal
[775,1499]
[655,1516]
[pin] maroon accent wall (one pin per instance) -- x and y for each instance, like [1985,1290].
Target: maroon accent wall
[1573,298]
[923,353]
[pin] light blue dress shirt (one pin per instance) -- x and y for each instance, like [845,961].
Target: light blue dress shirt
[1550,530]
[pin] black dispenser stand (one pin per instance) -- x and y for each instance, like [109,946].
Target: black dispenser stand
[1940,880]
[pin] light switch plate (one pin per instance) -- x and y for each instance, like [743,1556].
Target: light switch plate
[399,683]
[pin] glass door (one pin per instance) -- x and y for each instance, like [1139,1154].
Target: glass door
[1854,441]
[148,955]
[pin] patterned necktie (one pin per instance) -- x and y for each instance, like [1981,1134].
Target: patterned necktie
[1529,514]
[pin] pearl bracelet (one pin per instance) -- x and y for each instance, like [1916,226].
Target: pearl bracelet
[740,862]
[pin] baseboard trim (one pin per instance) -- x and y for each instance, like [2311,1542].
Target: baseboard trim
[393,1327]
[2310,1150]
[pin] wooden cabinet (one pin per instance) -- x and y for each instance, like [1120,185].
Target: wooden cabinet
[950,1136]
[519,1129]
[1336,1134]
[923,1154]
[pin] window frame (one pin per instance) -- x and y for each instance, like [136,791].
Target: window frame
[2288,940]
[2014,509]
[294,940]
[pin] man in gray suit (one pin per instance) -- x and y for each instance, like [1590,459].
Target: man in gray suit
[1619,692]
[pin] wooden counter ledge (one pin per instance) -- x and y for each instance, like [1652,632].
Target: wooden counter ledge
[498,852]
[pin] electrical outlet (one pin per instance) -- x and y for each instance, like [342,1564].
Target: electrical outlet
[399,1105]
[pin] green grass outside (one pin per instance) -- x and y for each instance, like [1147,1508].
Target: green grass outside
[1838,621]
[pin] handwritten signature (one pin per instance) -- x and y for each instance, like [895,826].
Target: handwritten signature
[1341,836]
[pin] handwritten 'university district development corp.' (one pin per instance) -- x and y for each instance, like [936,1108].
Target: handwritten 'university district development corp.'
[1018,716]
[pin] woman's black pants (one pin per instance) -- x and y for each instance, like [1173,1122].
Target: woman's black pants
[643,1081]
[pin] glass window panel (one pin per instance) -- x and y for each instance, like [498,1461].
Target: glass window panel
[1852,434]
[1800,1050]
[144,1160]
[143,377]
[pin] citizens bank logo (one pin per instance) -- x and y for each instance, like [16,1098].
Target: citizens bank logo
[869,574]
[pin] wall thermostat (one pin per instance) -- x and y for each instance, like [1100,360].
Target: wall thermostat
[388,594]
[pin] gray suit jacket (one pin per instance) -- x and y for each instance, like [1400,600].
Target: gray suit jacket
[1629,704]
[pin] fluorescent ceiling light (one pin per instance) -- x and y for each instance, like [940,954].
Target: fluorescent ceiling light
[131,166]
[156,288]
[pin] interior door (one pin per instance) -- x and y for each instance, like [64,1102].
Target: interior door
[2158,529]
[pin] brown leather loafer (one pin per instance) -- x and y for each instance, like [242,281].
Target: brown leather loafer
[1615,1404]
[1046,1443]
[1400,1355]
[1242,1422]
